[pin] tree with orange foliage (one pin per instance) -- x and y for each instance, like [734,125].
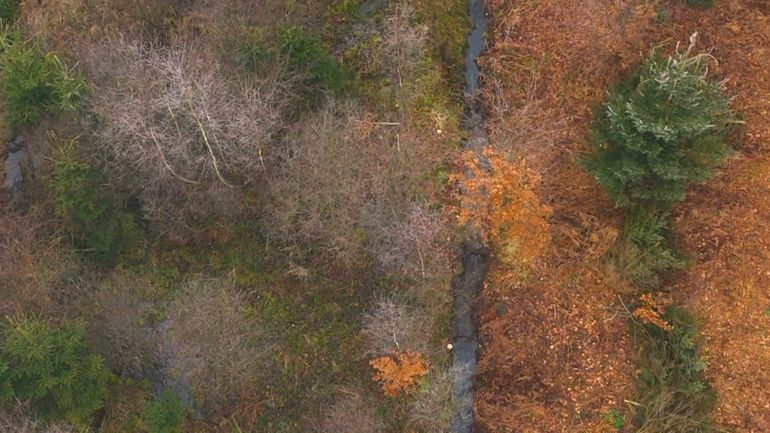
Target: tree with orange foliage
[500,199]
[399,372]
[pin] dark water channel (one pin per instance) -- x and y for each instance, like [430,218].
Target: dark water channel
[475,255]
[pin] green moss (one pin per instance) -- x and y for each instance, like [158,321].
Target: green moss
[700,4]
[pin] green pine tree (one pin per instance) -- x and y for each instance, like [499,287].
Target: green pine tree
[52,369]
[661,131]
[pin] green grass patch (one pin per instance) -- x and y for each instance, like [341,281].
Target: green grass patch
[672,394]
[449,26]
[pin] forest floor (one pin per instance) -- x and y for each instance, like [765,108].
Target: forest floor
[556,352]
[264,310]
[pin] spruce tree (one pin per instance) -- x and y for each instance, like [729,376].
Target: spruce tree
[52,369]
[661,131]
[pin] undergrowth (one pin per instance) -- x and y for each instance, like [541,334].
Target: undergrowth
[643,252]
[101,228]
[52,369]
[9,9]
[36,83]
[306,54]
[672,394]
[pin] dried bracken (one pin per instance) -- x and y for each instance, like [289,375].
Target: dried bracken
[550,62]
[650,313]
[400,372]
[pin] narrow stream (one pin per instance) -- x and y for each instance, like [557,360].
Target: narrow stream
[475,255]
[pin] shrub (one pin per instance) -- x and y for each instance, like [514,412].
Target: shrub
[9,9]
[673,396]
[34,265]
[503,202]
[392,326]
[164,415]
[15,420]
[53,369]
[352,412]
[700,4]
[120,320]
[351,191]
[434,406]
[184,135]
[661,131]
[216,345]
[36,83]
[400,372]
[100,227]
[642,252]
[307,55]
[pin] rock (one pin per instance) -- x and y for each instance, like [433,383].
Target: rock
[14,175]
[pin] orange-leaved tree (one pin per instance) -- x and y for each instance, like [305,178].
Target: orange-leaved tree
[499,198]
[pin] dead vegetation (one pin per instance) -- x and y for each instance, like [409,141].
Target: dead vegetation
[352,412]
[215,345]
[191,138]
[344,194]
[393,326]
[34,266]
[354,187]
[549,64]
[16,420]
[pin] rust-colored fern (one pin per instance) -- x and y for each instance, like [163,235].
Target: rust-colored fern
[399,372]
[650,312]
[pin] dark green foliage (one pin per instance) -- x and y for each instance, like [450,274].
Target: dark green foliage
[9,9]
[661,132]
[98,224]
[673,396]
[700,4]
[36,83]
[164,415]
[643,251]
[306,54]
[253,50]
[53,369]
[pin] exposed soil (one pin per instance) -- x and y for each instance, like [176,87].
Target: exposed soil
[556,355]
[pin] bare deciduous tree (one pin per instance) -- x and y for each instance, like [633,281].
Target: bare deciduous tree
[192,136]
